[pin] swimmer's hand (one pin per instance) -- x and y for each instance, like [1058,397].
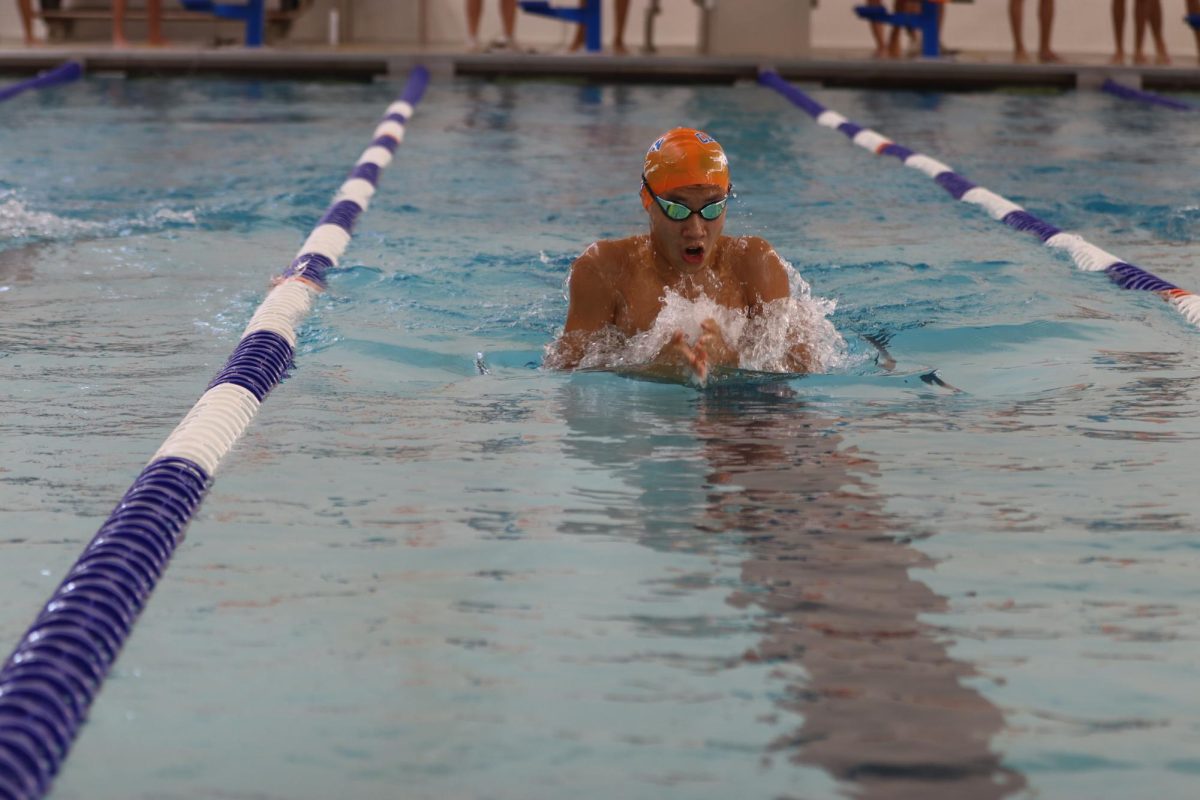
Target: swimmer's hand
[720,352]
[710,350]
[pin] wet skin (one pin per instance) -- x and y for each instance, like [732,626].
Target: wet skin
[623,283]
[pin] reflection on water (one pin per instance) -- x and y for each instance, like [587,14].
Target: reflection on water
[867,691]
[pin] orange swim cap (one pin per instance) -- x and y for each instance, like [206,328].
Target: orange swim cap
[684,157]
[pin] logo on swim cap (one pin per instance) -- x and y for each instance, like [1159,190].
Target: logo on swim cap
[684,157]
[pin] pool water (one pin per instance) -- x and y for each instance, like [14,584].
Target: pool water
[414,580]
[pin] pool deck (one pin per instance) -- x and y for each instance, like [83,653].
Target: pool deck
[965,71]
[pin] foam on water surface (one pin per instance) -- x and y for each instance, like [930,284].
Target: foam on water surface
[764,339]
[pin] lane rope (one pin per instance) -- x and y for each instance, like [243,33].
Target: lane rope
[48,683]
[1086,256]
[1142,96]
[63,73]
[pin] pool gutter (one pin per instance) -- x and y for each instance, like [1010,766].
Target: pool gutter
[367,64]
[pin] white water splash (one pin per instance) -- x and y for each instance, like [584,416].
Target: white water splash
[168,215]
[764,341]
[19,222]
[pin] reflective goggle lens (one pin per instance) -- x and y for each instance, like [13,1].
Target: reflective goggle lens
[680,212]
[713,210]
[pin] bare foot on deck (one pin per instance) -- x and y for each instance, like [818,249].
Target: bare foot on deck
[620,49]
[1118,59]
[1049,57]
[1020,57]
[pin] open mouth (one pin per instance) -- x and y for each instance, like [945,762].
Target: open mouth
[693,254]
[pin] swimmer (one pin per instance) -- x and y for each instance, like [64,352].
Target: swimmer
[621,286]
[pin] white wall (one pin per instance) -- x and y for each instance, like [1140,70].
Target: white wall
[10,22]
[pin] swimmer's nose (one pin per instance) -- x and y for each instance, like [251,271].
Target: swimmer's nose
[693,227]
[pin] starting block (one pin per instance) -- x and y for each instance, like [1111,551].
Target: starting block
[926,22]
[588,16]
[253,12]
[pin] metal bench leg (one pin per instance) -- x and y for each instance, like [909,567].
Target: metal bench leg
[591,25]
[588,15]
[256,18]
[930,41]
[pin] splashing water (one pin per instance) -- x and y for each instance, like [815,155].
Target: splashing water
[763,340]
[19,222]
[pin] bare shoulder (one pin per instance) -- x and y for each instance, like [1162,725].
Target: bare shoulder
[751,246]
[610,254]
[607,263]
[596,284]
[759,267]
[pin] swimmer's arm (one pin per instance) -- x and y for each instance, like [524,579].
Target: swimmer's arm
[766,280]
[591,306]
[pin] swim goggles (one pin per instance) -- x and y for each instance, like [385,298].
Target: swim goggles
[679,212]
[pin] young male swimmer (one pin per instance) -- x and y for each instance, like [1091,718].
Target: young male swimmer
[692,297]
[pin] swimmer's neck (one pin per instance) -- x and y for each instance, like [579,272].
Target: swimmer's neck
[677,276]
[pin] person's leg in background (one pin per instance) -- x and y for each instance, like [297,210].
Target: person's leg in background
[25,9]
[878,30]
[621,15]
[118,29]
[154,23]
[1154,17]
[1016,21]
[474,12]
[1045,28]
[1148,14]
[901,7]
[1118,23]
[508,18]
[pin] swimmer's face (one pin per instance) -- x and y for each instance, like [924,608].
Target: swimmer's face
[688,245]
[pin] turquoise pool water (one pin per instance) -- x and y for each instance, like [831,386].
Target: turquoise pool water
[412,580]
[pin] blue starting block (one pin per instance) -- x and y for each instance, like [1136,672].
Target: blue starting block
[926,22]
[588,16]
[253,12]
[1193,20]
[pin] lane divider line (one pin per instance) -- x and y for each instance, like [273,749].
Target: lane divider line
[1084,254]
[49,682]
[63,73]
[1142,96]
